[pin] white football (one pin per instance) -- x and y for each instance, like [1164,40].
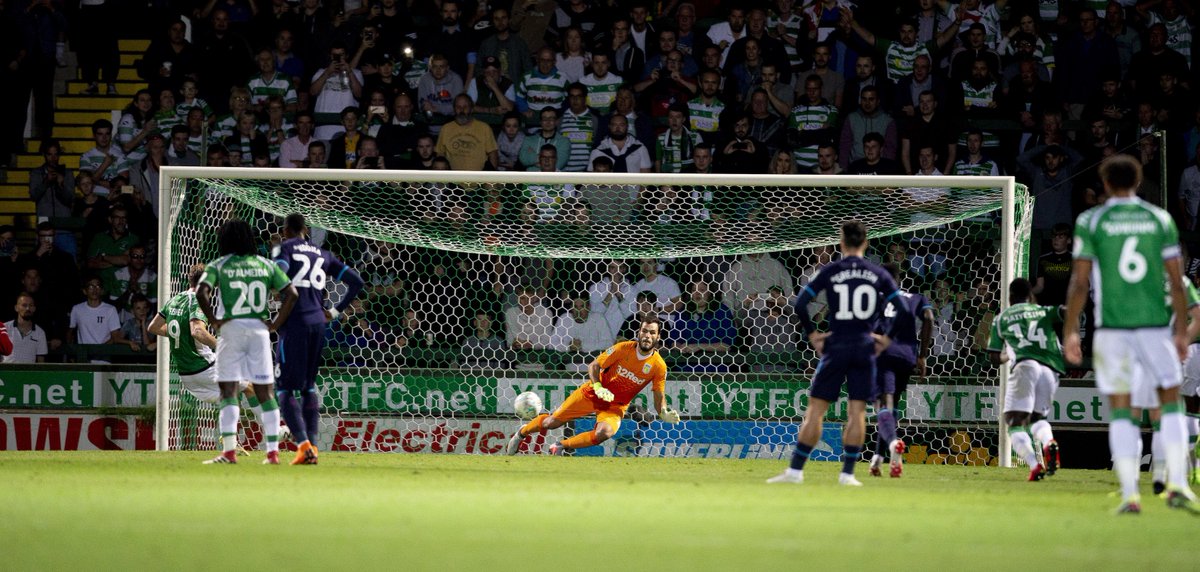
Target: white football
[527,405]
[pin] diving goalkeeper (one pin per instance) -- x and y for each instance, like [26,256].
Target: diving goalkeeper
[614,378]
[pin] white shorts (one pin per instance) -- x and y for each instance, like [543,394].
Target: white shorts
[1031,387]
[203,385]
[244,352]
[1191,372]
[1136,363]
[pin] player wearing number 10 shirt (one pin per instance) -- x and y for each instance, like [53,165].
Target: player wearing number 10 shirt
[243,282]
[303,336]
[857,291]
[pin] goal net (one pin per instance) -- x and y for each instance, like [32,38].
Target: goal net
[483,285]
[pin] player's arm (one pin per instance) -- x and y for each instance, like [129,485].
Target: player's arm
[158,326]
[926,340]
[354,284]
[289,296]
[1077,292]
[201,334]
[665,413]
[204,293]
[594,371]
[1179,305]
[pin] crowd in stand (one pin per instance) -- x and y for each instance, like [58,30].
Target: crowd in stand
[1040,89]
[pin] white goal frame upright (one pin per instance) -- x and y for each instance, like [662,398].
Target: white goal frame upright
[167,220]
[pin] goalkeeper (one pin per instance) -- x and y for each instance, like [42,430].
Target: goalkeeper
[614,378]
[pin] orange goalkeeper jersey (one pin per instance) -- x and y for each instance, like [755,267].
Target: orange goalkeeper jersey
[624,373]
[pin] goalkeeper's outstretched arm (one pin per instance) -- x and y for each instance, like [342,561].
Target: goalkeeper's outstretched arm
[665,413]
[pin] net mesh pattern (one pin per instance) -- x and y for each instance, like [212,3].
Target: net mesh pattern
[477,291]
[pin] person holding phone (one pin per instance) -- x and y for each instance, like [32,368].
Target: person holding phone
[52,188]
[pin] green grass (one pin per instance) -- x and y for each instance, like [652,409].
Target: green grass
[109,510]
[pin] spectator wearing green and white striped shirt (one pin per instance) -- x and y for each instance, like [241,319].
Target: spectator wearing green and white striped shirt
[543,87]
[137,123]
[811,123]
[270,82]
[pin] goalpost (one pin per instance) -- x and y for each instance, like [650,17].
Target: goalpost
[408,369]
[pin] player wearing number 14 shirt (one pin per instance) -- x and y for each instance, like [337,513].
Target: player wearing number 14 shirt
[857,292]
[302,338]
[243,281]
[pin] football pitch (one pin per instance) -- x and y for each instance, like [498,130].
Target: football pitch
[147,510]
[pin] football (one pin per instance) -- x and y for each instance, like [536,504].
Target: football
[527,405]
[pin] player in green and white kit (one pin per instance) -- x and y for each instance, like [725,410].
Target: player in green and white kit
[242,280]
[181,320]
[1128,247]
[1027,329]
[1187,390]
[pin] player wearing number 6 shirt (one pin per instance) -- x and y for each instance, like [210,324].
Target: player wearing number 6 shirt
[857,291]
[303,336]
[1127,248]
[1027,329]
[614,378]
[243,281]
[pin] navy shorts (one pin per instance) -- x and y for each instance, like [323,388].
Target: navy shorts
[855,365]
[892,375]
[299,351]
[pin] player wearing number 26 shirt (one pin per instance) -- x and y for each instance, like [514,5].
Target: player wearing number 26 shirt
[302,338]
[857,292]
[243,281]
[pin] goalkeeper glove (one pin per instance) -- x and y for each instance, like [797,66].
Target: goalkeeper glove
[668,415]
[601,392]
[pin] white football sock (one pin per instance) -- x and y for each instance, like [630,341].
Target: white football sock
[270,425]
[1174,437]
[1022,445]
[1123,441]
[227,420]
[1158,457]
[1042,433]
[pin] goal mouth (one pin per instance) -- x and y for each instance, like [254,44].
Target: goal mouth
[443,251]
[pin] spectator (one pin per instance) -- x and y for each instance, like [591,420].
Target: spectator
[52,188]
[286,60]
[741,153]
[454,41]
[29,343]
[336,87]
[765,125]
[506,47]
[509,141]
[344,146]
[1054,268]
[866,76]
[827,160]
[578,125]
[832,83]
[868,118]
[641,30]
[196,131]
[811,123]
[529,324]
[482,348]
[674,149]
[640,125]
[975,163]
[1128,40]
[294,150]
[580,14]
[782,163]
[180,153]
[666,86]
[531,19]
[96,44]
[227,124]
[929,129]
[1082,58]
[724,34]
[541,87]
[398,137]
[247,140]
[770,49]
[911,86]
[169,58]
[134,329]
[94,321]
[548,134]
[645,304]
[91,207]
[189,99]
[467,142]
[573,58]
[1172,17]
[749,279]
[687,38]
[901,55]
[136,125]
[276,129]
[975,48]
[10,252]
[627,155]
[167,116]
[105,160]
[629,61]
[108,252]
[270,81]
[705,110]
[771,329]
[1027,47]
[704,326]
[779,95]
[600,83]
[581,332]
[1189,192]
[664,287]
[1026,99]
[492,93]
[223,58]
[1051,183]
[132,281]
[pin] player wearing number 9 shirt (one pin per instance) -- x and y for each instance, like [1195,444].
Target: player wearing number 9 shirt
[303,336]
[243,281]
[857,291]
